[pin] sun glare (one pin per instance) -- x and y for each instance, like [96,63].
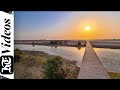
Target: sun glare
[87,28]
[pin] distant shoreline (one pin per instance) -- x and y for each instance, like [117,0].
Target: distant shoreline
[70,43]
[113,44]
[83,45]
[105,44]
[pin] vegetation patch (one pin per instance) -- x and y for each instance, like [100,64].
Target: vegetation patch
[39,65]
[17,55]
[114,75]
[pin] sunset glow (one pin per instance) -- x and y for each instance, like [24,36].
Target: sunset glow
[87,28]
[67,25]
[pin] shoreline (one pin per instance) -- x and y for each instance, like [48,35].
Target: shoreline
[31,64]
[94,45]
[105,45]
[112,44]
[34,70]
[83,45]
[42,53]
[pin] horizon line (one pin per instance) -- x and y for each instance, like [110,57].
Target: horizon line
[68,39]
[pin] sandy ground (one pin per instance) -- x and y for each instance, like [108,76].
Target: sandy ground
[30,66]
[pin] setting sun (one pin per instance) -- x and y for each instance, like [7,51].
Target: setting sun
[87,28]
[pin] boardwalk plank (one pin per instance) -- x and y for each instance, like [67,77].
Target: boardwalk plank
[91,67]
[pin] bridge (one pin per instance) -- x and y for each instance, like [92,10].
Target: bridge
[91,67]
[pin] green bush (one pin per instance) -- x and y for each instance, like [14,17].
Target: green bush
[79,43]
[33,43]
[51,42]
[60,42]
[53,68]
[17,55]
[65,42]
[54,42]
[114,75]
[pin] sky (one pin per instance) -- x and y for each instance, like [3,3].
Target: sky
[66,25]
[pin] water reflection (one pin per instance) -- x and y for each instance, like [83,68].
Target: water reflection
[110,58]
[55,46]
[33,45]
[79,48]
[71,53]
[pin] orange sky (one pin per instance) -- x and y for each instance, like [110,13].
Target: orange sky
[104,25]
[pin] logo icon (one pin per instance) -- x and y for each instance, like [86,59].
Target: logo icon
[6,65]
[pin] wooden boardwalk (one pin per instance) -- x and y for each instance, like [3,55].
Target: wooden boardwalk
[91,67]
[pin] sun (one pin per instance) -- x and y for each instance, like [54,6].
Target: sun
[87,28]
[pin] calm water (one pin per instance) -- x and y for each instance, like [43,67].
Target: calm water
[110,58]
[71,53]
